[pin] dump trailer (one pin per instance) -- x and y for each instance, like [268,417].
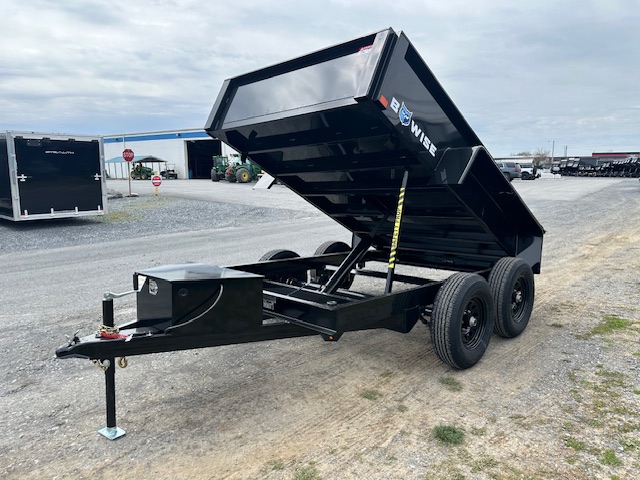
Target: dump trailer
[47,175]
[364,132]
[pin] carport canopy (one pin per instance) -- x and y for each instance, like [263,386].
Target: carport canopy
[137,159]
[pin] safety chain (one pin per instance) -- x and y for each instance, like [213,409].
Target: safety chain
[102,364]
[105,364]
[102,328]
[111,333]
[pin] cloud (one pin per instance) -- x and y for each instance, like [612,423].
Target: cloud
[522,74]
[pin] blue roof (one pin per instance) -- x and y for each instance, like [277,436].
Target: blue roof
[154,136]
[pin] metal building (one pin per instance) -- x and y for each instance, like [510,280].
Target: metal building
[189,152]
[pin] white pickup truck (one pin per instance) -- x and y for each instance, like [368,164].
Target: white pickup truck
[529,171]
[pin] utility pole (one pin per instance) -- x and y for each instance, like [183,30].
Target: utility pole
[553,146]
[565,152]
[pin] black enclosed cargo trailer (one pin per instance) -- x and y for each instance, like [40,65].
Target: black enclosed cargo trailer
[365,133]
[46,175]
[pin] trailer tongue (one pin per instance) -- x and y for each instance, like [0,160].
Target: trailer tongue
[365,133]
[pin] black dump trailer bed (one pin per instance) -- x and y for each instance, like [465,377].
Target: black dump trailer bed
[365,133]
[48,175]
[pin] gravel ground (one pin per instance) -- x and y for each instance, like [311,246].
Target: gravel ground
[143,216]
[559,402]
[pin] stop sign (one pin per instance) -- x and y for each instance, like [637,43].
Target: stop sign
[156,180]
[127,154]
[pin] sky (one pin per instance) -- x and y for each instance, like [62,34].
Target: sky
[527,76]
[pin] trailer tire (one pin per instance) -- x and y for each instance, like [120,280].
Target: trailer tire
[242,175]
[462,320]
[512,285]
[288,277]
[278,254]
[332,246]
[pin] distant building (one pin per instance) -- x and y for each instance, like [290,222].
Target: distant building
[188,151]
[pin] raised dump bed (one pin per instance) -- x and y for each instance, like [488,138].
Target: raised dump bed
[365,133]
[342,125]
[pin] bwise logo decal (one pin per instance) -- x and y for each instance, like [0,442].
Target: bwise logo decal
[406,119]
[404,114]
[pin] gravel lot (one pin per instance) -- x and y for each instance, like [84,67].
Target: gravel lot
[560,401]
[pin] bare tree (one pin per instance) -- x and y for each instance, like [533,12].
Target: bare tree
[540,157]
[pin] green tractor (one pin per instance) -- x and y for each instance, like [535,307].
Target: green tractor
[140,172]
[233,169]
[220,165]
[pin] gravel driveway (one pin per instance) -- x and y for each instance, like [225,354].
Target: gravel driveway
[560,401]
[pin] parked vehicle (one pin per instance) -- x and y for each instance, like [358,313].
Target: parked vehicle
[233,169]
[241,172]
[219,167]
[528,171]
[169,172]
[510,170]
[141,172]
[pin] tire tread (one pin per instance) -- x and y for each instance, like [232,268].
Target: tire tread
[446,303]
[500,279]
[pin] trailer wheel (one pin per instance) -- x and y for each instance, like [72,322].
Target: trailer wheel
[278,254]
[287,277]
[462,320]
[322,275]
[513,289]
[242,175]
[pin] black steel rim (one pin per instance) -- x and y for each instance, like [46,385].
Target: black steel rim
[519,295]
[473,323]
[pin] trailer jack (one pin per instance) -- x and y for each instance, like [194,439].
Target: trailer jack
[110,430]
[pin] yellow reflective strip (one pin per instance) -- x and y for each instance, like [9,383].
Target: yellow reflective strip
[396,230]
